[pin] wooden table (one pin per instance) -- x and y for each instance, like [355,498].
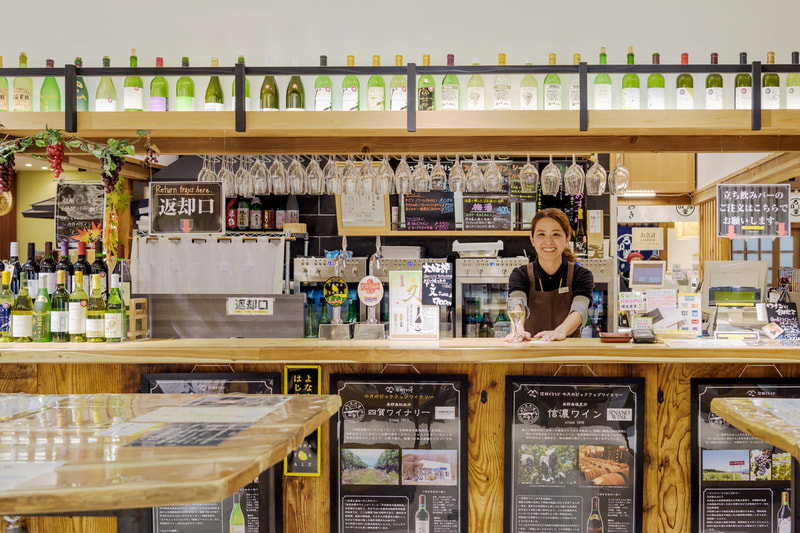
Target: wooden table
[773,420]
[72,453]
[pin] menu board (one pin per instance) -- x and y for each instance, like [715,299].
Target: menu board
[574,454]
[260,501]
[731,470]
[430,211]
[487,213]
[514,188]
[752,211]
[437,282]
[80,211]
[784,315]
[186,207]
[399,454]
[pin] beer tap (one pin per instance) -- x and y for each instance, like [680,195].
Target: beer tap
[341,260]
[375,259]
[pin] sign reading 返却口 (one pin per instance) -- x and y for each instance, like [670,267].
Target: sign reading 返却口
[186,207]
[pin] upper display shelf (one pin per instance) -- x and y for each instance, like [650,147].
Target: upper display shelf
[465,132]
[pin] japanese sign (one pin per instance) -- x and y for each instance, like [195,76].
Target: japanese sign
[785,316]
[487,213]
[738,480]
[650,238]
[408,317]
[249,306]
[399,454]
[572,442]
[430,211]
[437,281]
[752,211]
[303,379]
[80,210]
[186,207]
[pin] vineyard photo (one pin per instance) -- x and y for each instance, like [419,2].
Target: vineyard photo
[361,466]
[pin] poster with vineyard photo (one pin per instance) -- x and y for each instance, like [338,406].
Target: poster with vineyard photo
[574,454]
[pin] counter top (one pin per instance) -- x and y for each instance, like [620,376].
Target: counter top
[302,351]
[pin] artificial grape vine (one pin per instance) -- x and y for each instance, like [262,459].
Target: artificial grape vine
[7,172]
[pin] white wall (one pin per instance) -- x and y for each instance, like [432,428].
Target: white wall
[713,167]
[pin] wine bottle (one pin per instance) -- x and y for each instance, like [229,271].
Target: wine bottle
[770,86]
[236,522]
[41,313]
[59,310]
[22,313]
[65,265]
[324,317]
[133,93]
[502,324]
[602,86]
[243,214]
[587,329]
[96,313]
[280,214]
[471,321]
[292,210]
[426,88]
[552,88]
[398,91]
[49,94]
[81,265]
[31,268]
[81,94]
[574,87]
[100,267]
[77,308]
[684,87]
[476,91]
[3,90]
[105,98]
[422,519]
[6,305]
[486,330]
[115,312]
[631,96]
[793,85]
[785,514]
[48,265]
[214,99]
[451,89]
[256,215]
[23,88]
[376,89]
[123,270]
[595,522]
[295,93]
[502,87]
[581,241]
[351,89]
[240,59]
[269,99]
[323,89]
[184,90]
[656,92]
[14,267]
[528,91]
[159,90]
[310,326]
[714,95]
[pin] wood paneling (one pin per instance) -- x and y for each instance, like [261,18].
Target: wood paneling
[712,248]
[670,173]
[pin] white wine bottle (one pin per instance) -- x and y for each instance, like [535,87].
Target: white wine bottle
[236,521]
[476,91]
[451,90]
[133,97]
[351,89]
[214,98]
[502,87]
[398,92]
[602,86]
[552,88]
[714,94]
[631,97]
[22,313]
[96,313]
[105,99]
[770,86]
[528,91]
[574,87]
[684,87]
[77,309]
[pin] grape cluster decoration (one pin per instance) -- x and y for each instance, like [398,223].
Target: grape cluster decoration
[7,172]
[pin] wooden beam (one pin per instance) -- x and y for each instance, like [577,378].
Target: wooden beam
[132,168]
[775,168]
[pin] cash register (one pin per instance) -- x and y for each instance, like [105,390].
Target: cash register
[733,295]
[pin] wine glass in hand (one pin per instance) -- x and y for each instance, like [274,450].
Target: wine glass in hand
[518,311]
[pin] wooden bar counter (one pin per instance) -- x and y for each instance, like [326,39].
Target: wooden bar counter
[114,368]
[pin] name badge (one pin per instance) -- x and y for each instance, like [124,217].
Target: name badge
[563,290]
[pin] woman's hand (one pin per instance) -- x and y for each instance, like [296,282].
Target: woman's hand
[518,337]
[552,335]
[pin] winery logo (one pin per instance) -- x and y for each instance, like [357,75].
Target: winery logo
[752,393]
[353,411]
[794,207]
[717,422]
[685,210]
[528,414]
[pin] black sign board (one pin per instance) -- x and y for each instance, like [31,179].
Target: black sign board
[571,444]
[80,212]
[399,454]
[784,315]
[752,211]
[260,501]
[514,188]
[437,282]
[186,207]
[303,379]
[430,211]
[487,213]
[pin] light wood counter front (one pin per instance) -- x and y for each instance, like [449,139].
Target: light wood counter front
[773,420]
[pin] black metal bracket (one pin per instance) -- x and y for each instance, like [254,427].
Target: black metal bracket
[71,98]
[411,98]
[583,79]
[755,100]
[241,93]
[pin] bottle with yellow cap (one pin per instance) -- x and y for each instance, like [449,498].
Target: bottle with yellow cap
[426,88]
[351,89]
[23,88]
[398,90]
[574,87]
[770,87]
[602,85]
[502,87]
[552,88]
[376,89]
[6,306]
[631,96]
[451,89]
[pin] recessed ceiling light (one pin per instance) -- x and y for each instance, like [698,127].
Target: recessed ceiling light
[44,168]
[28,165]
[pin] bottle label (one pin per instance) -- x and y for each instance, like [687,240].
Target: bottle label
[476,98]
[376,97]
[450,97]
[256,220]
[5,316]
[784,525]
[602,96]
[41,325]
[77,317]
[237,529]
[426,99]
[270,109]
[105,104]
[280,218]
[528,98]
[770,98]
[713,97]
[184,103]
[322,99]
[134,98]
[59,321]
[243,217]
[95,328]
[350,98]
[3,99]
[574,97]
[33,286]
[744,99]
[552,96]
[126,293]
[656,98]
[21,326]
[631,98]
[471,331]
[23,100]
[158,103]
[103,283]
[399,98]
[113,325]
[502,96]
[51,284]
[246,104]
[793,97]
[82,96]
[422,526]
[213,106]
[501,329]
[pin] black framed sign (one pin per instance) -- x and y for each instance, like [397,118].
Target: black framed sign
[260,502]
[399,454]
[753,210]
[739,483]
[574,454]
[186,207]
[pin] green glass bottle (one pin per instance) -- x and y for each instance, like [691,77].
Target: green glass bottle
[528,91]
[115,312]
[311,328]
[684,87]
[133,96]
[552,88]
[602,85]
[656,90]
[295,93]
[49,94]
[41,312]
[770,86]
[3,90]
[351,89]
[744,86]
[6,305]
[159,90]
[323,89]
[81,94]
[22,313]
[23,88]
[236,521]
[476,91]
[214,100]
[502,324]
[793,85]
[96,313]
[59,310]
[106,96]
[324,318]
[184,90]
[398,91]
[246,91]
[501,91]
[376,89]
[78,301]
[426,88]
[714,96]
[269,98]
[631,96]
[451,90]
[574,87]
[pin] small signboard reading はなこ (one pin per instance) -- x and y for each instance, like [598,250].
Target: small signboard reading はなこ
[186,207]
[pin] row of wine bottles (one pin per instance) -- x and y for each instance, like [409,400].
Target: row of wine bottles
[430,95]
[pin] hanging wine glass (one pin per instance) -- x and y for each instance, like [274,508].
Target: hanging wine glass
[228,178]
[260,180]
[332,175]
[438,176]
[596,179]
[619,178]
[314,177]
[277,174]
[457,177]
[297,177]
[529,177]
[205,173]
[422,180]
[574,178]
[241,179]
[384,183]
[475,177]
[492,177]
[402,176]
[366,185]
[350,177]
[551,179]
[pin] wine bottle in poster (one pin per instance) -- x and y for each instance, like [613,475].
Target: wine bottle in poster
[595,522]
[422,519]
